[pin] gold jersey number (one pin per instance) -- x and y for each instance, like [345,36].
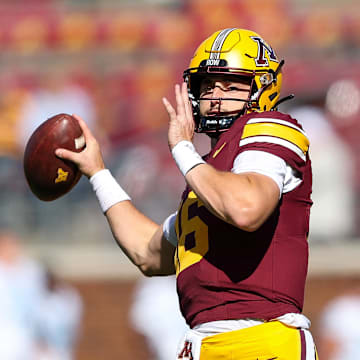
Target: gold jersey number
[192,233]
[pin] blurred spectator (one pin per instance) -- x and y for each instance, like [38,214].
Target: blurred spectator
[11,102]
[332,215]
[14,209]
[40,315]
[12,184]
[21,288]
[56,94]
[59,318]
[343,104]
[156,315]
[339,333]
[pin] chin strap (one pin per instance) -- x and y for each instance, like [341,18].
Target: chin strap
[216,124]
[280,101]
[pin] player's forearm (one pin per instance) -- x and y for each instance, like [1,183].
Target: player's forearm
[138,236]
[133,232]
[239,199]
[225,194]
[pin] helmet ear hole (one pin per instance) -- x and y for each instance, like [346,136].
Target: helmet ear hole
[267,79]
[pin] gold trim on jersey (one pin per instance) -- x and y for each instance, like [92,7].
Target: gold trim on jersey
[192,195]
[218,150]
[272,129]
[274,140]
[194,228]
[277,121]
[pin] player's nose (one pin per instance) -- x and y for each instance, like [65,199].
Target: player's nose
[217,93]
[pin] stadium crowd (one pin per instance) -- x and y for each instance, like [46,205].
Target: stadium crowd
[100,60]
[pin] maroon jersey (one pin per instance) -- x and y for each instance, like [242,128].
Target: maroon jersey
[227,273]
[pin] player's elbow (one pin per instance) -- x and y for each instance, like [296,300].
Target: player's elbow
[146,267]
[156,268]
[147,271]
[143,262]
[247,218]
[157,261]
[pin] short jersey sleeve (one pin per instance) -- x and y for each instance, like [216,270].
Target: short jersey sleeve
[265,163]
[278,134]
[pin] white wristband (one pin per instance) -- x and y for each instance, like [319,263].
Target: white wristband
[107,190]
[186,156]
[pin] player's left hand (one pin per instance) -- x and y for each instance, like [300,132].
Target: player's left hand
[90,160]
[181,122]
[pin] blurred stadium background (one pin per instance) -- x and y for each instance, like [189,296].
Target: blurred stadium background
[111,62]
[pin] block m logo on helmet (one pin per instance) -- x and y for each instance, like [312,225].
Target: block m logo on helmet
[261,59]
[186,352]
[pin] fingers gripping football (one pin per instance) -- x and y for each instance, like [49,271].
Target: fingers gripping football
[89,161]
[181,123]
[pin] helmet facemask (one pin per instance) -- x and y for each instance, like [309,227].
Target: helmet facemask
[241,54]
[217,123]
[220,120]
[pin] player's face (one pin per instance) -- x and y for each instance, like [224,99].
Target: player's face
[215,89]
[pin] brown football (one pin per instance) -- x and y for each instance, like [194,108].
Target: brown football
[48,176]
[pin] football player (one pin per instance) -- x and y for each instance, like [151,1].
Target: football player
[238,242]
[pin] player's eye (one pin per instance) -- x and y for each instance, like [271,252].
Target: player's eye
[236,88]
[207,89]
[233,88]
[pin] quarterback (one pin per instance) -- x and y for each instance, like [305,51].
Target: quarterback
[238,241]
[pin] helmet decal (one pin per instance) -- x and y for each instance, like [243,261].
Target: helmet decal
[217,45]
[263,48]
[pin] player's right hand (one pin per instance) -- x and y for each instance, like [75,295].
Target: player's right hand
[181,122]
[90,160]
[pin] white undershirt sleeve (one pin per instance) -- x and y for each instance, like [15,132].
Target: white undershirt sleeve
[270,165]
[169,229]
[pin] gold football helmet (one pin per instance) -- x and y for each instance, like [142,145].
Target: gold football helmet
[241,53]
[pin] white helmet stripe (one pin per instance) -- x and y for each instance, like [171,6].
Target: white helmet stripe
[219,42]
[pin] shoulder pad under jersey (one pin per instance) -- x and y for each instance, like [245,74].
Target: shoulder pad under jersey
[274,130]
